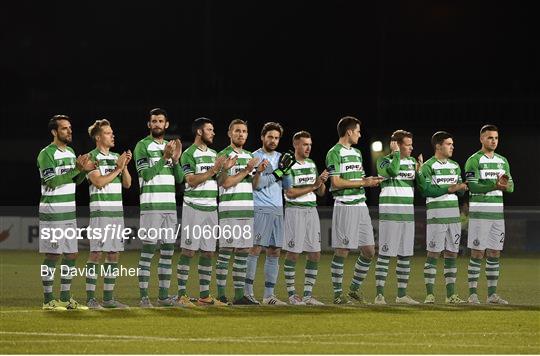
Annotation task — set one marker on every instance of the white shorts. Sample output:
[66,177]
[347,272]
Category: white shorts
[236,233]
[486,234]
[302,230]
[155,226]
[351,226]
[61,245]
[396,238]
[443,237]
[200,229]
[111,240]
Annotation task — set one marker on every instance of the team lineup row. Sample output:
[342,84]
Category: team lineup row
[247,190]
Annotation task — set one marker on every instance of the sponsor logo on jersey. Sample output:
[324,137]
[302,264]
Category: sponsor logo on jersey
[469,174]
[306,180]
[206,168]
[141,161]
[353,167]
[491,174]
[409,175]
[384,163]
[64,170]
[445,180]
[47,172]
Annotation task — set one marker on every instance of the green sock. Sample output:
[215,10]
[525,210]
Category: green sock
[109,280]
[310,275]
[239,274]
[450,271]
[403,269]
[205,275]
[91,279]
[222,269]
[492,274]
[182,273]
[337,275]
[65,281]
[474,272]
[361,268]
[145,261]
[430,271]
[165,269]
[381,272]
[47,279]
[289,270]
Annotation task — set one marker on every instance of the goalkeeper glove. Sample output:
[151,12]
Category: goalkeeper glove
[286,161]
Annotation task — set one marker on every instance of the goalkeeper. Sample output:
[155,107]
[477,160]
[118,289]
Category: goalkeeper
[268,212]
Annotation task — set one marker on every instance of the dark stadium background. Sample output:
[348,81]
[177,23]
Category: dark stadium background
[417,65]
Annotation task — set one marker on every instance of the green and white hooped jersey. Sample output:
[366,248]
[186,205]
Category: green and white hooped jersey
[303,174]
[443,209]
[396,200]
[196,161]
[107,201]
[237,202]
[158,194]
[56,204]
[347,164]
[484,170]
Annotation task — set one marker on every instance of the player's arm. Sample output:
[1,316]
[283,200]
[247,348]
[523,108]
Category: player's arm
[188,164]
[294,192]
[472,175]
[100,181]
[227,181]
[510,188]
[178,172]
[142,163]
[46,166]
[460,192]
[424,183]
[389,166]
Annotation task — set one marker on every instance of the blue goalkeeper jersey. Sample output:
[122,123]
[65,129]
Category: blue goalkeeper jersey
[268,196]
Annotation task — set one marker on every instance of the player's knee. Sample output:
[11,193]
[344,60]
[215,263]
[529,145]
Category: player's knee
[273,251]
[493,253]
[255,250]
[52,256]
[341,252]
[314,256]
[477,254]
[188,253]
[207,254]
[94,256]
[112,257]
[368,251]
[292,256]
[449,254]
[71,256]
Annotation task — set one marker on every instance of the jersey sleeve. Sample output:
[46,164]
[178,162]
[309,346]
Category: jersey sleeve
[188,163]
[46,165]
[388,166]
[333,163]
[141,157]
[510,188]
[472,176]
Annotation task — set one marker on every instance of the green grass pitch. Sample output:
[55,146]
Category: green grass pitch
[24,328]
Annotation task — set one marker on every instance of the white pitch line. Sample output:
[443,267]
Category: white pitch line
[271,339]
[293,342]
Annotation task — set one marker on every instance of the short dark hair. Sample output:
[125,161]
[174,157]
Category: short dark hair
[272,126]
[158,111]
[399,135]
[347,123]
[439,137]
[53,122]
[95,128]
[237,122]
[199,124]
[488,127]
[301,134]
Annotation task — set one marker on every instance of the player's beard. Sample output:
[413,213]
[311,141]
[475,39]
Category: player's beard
[206,140]
[66,140]
[157,132]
